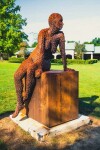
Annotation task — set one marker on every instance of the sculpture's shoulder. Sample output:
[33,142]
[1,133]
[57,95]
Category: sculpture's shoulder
[59,34]
[43,31]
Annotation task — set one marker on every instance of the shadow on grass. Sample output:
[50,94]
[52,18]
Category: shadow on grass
[90,142]
[3,146]
[5,114]
[87,106]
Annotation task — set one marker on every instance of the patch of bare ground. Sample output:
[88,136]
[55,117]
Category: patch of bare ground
[84,138]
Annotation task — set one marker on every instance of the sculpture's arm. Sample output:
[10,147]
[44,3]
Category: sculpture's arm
[40,48]
[40,53]
[62,50]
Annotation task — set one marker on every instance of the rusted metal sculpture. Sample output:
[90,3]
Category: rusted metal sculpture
[39,60]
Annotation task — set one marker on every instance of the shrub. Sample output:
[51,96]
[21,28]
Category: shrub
[5,56]
[57,61]
[75,61]
[80,61]
[13,59]
[91,61]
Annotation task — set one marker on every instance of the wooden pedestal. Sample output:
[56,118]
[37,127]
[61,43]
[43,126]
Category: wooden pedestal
[55,98]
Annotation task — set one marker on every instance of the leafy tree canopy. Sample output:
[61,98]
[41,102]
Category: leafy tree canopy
[70,41]
[34,44]
[11,24]
[96,41]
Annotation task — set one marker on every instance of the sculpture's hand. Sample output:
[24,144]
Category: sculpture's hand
[69,69]
[38,73]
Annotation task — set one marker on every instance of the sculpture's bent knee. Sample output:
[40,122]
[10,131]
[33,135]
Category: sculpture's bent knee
[17,76]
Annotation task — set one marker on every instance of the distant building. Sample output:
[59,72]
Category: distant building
[69,50]
[90,51]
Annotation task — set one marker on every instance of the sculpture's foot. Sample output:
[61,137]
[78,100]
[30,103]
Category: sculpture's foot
[17,110]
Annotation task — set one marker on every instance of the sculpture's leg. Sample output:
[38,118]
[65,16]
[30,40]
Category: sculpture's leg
[30,82]
[19,74]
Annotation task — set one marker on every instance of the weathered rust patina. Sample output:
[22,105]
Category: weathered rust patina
[55,98]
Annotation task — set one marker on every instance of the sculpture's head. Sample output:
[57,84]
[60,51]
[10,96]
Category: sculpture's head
[56,21]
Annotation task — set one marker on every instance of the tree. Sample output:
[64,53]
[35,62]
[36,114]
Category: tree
[11,24]
[34,44]
[96,41]
[79,49]
[70,41]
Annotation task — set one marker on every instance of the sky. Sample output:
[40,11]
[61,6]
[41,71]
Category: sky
[81,18]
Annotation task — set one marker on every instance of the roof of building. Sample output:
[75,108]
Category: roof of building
[70,46]
[97,49]
[89,47]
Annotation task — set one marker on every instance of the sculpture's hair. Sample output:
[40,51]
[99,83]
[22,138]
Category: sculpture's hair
[53,17]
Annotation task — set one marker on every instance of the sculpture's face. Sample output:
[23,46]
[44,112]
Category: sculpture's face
[55,21]
[58,23]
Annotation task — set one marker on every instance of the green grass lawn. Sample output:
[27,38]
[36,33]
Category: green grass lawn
[7,89]
[89,87]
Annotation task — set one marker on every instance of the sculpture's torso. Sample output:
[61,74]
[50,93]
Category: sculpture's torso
[49,45]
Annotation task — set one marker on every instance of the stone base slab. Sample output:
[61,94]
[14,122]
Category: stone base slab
[40,132]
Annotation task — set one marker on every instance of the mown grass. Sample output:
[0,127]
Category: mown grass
[89,87]
[7,89]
